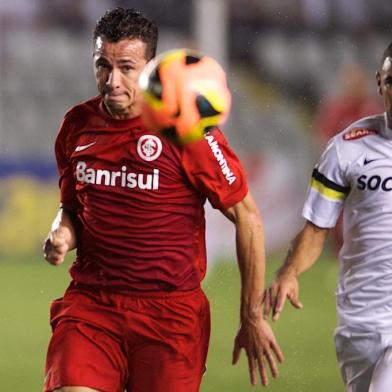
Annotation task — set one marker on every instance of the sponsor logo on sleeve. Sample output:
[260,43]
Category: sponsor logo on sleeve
[357,133]
[218,154]
[149,147]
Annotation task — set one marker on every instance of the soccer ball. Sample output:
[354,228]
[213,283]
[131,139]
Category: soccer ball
[185,94]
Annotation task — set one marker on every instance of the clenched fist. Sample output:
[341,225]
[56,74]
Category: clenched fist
[56,246]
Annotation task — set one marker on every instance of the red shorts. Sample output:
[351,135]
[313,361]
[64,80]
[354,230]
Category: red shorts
[143,342]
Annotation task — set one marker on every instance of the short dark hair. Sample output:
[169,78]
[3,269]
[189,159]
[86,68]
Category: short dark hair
[122,23]
[387,53]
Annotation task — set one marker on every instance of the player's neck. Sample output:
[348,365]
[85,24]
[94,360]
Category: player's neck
[126,114]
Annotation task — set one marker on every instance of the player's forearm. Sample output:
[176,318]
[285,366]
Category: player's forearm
[65,222]
[250,254]
[251,261]
[305,249]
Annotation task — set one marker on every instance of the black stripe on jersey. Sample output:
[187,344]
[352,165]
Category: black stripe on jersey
[328,183]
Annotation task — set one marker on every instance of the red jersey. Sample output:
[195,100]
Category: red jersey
[139,199]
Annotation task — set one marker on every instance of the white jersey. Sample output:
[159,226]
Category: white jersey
[355,172]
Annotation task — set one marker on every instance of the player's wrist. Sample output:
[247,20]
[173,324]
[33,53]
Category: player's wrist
[250,313]
[287,271]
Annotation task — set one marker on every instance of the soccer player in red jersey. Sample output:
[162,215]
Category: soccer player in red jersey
[134,317]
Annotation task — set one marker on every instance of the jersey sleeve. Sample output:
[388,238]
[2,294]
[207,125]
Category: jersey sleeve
[63,148]
[214,170]
[327,190]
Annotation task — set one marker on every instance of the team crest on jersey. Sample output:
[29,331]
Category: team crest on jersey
[149,147]
[357,133]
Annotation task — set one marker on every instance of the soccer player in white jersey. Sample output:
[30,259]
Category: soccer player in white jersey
[354,174]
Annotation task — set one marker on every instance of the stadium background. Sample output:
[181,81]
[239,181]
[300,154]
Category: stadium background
[283,59]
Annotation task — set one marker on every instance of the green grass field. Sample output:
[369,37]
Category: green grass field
[28,286]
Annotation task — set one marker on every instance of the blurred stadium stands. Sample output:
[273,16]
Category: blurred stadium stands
[282,61]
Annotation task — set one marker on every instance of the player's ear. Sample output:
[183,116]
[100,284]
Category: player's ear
[378,78]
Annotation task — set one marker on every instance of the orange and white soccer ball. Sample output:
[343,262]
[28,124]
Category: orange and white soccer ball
[184,94]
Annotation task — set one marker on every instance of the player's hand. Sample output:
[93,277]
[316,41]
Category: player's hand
[284,286]
[56,246]
[259,343]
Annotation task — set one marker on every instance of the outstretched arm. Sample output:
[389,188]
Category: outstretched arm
[255,335]
[61,238]
[303,253]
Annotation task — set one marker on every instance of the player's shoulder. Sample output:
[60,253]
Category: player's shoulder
[83,108]
[359,133]
[215,135]
[211,138]
[349,144]
[76,118]
[213,146]
[362,129]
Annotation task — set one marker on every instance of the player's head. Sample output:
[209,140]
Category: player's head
[127,23]
[384,81]
[124,41]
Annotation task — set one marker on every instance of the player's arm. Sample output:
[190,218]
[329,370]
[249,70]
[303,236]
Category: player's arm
[61,237]
[303,253]
[63,233]
[255,335]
